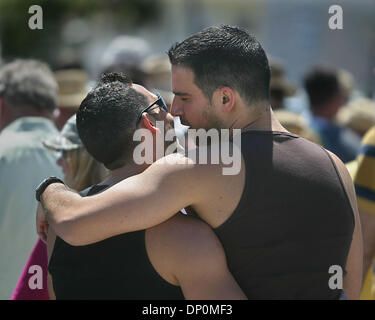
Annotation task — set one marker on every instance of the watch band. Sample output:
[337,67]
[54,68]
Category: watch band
[44,184]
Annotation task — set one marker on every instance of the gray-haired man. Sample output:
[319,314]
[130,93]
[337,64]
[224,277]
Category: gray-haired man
[28,94]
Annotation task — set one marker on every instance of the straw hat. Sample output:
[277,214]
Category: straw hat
[72,87]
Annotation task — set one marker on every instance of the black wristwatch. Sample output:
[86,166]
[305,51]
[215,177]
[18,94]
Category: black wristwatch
[44,184]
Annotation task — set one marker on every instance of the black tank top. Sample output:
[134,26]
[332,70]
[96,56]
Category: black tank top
[293,222]
[115,268]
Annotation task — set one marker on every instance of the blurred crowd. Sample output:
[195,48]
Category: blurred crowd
[38,136]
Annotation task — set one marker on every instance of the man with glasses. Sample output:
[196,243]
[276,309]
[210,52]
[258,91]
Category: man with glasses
[157,103]
[179,258]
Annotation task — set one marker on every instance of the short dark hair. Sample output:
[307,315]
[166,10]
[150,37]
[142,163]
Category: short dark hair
[106,119]
[28,83]
[321,85]
[225,56]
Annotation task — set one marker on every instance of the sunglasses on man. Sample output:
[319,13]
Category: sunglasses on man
[160,102]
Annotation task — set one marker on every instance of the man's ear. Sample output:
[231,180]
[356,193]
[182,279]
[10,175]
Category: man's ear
[224,98]
[147,123]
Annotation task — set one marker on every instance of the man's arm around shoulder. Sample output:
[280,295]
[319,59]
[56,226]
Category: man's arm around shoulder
[139,202]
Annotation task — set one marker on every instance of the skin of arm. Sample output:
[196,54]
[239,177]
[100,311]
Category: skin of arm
[136,203]
[186,252]
[353,279]
[41,223]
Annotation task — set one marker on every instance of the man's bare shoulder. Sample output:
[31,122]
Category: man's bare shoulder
[184,232]
[177,162]
[176,169]
[173,168]
[182,242]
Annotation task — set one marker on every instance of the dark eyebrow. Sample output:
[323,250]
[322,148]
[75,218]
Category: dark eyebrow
[180,93]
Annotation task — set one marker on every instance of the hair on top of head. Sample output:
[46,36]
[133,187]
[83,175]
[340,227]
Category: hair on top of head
[225,56]
[114,76]
[28,82]
[106,119]
[321,84]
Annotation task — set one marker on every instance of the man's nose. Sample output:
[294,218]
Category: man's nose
[176,109]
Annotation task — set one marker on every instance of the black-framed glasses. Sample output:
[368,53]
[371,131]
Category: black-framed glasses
[160,102]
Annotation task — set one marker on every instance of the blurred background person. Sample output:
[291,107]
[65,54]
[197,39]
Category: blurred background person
[72,85]
[326,97]
[81,171]
[28,98]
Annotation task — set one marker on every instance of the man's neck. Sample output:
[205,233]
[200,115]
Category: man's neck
[122,173]
[261,119]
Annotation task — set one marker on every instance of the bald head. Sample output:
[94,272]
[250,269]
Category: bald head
[142,90]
